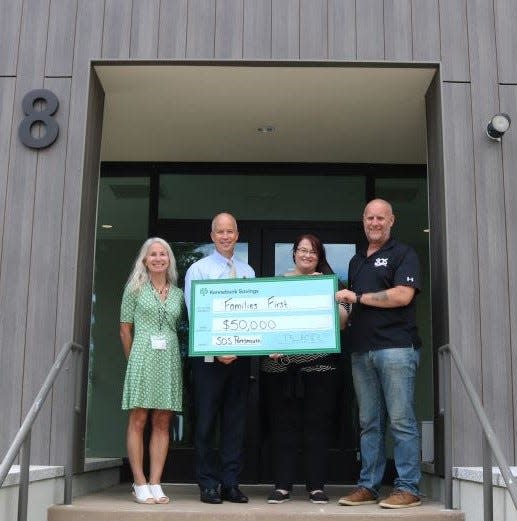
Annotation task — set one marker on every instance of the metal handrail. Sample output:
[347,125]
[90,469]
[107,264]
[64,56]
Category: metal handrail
[490,442]
[22,440]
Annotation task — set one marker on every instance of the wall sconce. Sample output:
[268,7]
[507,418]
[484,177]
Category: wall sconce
[497,126]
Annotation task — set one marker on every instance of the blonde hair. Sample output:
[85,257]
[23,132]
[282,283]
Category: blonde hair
[140,276]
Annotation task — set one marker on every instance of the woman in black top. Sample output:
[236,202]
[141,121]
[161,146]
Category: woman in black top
[300,393]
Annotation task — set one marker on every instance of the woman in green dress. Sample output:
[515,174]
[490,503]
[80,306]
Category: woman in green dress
[150,313]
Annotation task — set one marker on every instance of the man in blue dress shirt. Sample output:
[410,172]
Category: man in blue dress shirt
[220,385]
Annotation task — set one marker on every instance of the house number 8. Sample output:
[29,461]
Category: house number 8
[44,117]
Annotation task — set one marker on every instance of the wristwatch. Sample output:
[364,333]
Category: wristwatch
[358,297]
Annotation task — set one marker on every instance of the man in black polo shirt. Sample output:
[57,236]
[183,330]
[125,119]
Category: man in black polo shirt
[383,281]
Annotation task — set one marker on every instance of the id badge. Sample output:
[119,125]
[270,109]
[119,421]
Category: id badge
[158,342]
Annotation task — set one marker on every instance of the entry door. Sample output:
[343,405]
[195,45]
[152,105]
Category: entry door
[265,245]
[340,240]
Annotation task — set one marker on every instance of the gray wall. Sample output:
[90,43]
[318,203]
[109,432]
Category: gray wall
[47,198]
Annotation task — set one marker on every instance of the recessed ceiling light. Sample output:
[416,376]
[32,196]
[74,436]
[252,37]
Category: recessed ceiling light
[266,129]
[107,226]
[426,230]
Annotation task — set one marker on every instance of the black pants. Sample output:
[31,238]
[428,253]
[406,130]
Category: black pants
[220,391]
[304,421]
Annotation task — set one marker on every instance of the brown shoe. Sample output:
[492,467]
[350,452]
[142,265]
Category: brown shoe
[400,499]
[358,496]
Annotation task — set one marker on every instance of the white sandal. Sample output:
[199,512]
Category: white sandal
[143,495]
[158,494]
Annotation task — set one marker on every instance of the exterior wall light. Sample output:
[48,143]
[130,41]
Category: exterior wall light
[497,126]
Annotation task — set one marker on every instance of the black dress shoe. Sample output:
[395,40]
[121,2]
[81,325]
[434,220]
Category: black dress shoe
[234,495]
[210,495]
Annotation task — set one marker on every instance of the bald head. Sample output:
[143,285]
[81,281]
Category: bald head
[225,217]
[378,203]
[378,219]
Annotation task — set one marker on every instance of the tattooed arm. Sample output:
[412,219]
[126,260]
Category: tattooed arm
[396,297]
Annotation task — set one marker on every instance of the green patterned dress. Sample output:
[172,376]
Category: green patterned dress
[153,376]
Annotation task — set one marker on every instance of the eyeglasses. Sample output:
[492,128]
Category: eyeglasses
[305,251]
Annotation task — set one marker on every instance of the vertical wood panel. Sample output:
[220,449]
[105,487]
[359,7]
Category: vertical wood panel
[145,22]
[257,29]
[462,261]
[17,236]
[172,40]
[228,29]
[9,357]
[44,268]
[437,250]
[342,38]
[454,40]
[6,115]
[370,30]
[491,226]
[201,29]
[9,30]
[60,41]
[313,29]
[397,30]
[438,227]
[87,233]
[508,96]
[505,24]
[286,29]
[88,45]
[117,29]
[426,30]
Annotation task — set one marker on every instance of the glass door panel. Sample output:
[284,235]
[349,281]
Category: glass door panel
[340,245]
[122,227]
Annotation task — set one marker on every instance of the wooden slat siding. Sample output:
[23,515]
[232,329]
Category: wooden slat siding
[7,86]
[201,29]
[462,262]
[117,29]
[342,39]
[145,18]
[172,41]
[60,40]
[286,29]
[44,266]
[491,226]
[508,104]
[9,30]
[505,24]
[87,232]
[426,30]
[454,40]
[370,29]
[229,21]
[398,45]
[313,30]
[88,45]
[257,29]
[437,224]
[438,248]
[19,206]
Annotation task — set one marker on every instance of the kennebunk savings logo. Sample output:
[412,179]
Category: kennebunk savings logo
[205,291]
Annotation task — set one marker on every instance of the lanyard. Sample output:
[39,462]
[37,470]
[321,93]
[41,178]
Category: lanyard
[162,311]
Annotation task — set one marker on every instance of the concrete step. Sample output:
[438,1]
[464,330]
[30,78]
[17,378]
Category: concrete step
[116,504]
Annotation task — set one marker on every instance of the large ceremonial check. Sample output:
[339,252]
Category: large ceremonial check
[264,315]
